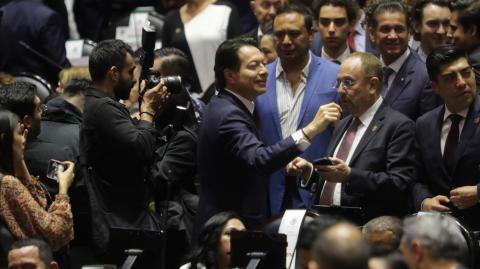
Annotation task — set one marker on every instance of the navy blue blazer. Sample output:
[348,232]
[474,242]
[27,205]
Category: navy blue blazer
[234,164]
[319,90]
[432,178]
[382,165]
[40,27]
[410,92]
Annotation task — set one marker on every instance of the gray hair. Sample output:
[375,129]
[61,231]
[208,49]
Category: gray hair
[440,235]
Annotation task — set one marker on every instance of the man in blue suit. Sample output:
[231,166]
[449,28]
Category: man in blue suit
[405,79]
[233,163]
[448,141]
[297,85]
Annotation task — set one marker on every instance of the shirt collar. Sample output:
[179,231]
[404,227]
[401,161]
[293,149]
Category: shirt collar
[422,54]
[250,105]
[462,113]
[259,33]
[359,24]
[397,64]
[306,68]
[340,58]
[367,116]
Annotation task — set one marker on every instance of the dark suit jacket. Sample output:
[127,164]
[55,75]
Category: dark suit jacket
[252,34]
[410,92]
[234,164]
[474,59]
[41,30]
[432,178]
[382,166]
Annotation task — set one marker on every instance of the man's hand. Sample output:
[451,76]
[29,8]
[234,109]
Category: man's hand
[298,167]
[464,197]
[326,114]
[437,203]
[153,99]
[338,171]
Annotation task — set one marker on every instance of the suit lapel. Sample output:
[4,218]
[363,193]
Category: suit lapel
[272,98]
[374,127]
[435,141]
[402,79]
[309,89]
[469,130]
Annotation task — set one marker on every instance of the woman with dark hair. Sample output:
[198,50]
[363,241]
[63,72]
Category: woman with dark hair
[23,201]
[213,247]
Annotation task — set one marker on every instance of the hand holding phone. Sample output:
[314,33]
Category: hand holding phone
[322,161]
[53,168]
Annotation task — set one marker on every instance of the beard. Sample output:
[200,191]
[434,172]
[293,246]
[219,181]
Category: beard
[122,89]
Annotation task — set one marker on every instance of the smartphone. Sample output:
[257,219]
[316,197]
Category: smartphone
[53,166]
[322,161]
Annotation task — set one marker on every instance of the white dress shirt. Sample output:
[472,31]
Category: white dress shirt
[360,36]
[289,100]
[422,54]
[340,58]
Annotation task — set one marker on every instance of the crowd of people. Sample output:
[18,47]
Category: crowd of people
[363,113]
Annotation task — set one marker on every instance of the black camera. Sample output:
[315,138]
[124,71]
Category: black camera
[173,83]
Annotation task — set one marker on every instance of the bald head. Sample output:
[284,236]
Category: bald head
[340,247]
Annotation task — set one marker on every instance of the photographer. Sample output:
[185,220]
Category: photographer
[173,172]
[115,149]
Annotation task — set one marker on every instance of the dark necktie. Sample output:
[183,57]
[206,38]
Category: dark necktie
[387,72]
[451,143]
[337,62]
[326,198]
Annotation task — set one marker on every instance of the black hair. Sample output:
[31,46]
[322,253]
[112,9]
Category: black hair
[376,8]
[347,4]
[206,249]
[226,57]
[296,7]
[8,123]
[460,4]
[469,16]
[44,251]
[19,98]
[77,87]
[440,56]
[106,54]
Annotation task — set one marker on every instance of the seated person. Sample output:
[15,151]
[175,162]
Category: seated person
[31,253]
[213,246]
[23,202]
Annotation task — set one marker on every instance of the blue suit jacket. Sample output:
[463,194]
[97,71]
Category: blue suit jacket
[432,177]
[410,92]
[234,164]
[318,91]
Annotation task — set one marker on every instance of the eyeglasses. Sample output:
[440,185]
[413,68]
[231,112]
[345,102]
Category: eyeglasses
[346,83]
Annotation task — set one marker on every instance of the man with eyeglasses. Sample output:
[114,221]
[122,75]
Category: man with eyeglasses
[21,99]
[298,84]
[431,24]
[372,150]
[448,172]
[405,79]
[465,31]
[336,19]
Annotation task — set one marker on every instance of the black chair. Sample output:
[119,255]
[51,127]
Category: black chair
[6,242]
[43,87]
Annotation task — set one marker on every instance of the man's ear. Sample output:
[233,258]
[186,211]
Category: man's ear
[53,265]
[374,85]
[229,75]
[433,85]
[252,6]
[371,35]
[114,73]
[27,121]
